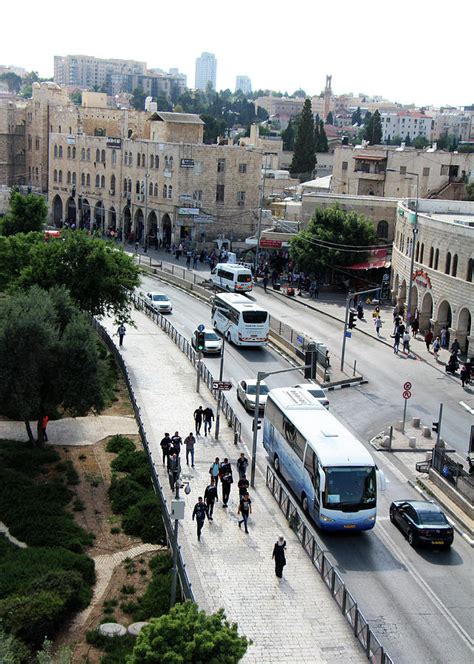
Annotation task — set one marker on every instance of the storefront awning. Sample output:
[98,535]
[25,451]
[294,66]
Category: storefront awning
[377,258]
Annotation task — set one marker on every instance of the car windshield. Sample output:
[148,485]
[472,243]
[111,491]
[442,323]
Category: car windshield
[432,519]
[252,389]
[244,278]
[159,298]
[254,316]
[211,336]
[350,488]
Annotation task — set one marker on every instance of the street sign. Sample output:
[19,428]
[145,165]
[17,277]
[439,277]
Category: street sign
[406,394]
[348,334]
[202,327]
[407,385]
[221,385]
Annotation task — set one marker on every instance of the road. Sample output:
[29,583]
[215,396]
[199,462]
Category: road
[419,602]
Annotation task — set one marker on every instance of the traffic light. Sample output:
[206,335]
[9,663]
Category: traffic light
[352,316]
[259,423]
[200,341]
[435,427]
[310,360]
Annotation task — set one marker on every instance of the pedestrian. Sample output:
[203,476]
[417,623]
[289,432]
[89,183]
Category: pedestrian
[176,441]
[44,425]
[406,342]
[279,556]
[121,330]
[436,347]
[396,322]
[225,474]
[200,512]
[214,471]
[208,418]
[242,465]
[210,496]
[188,259]
[378,325]
[198,415]
[428,339]
[243,485]
[396,343]
[265,283]
[401,329]
[137,246]
[455,347]
[190,442]
[245,510]
[174,470]
[195,260]
[166,446]
[465,375]
[444,337]
[415,326]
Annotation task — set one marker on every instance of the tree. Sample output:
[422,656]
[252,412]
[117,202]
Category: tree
[330,118]
[76,97]
[357,117]
[421,142]
[407,140]
[12,80]
[304,158]
[138,99]
[373,129]
[162,102]
[212,128]
[26,213]
[187,635]
[48,359]
[321,139]
[311,251]
[289,134]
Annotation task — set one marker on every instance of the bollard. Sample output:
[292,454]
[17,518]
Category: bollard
[412,442]
[416,422]
[399,425]
[426,432]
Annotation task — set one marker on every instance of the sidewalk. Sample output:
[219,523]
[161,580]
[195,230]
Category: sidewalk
[292,620]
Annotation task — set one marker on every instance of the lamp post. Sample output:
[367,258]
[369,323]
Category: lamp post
[260,213]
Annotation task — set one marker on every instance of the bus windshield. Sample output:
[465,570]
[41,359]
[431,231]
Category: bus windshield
[350,488]
[255,317]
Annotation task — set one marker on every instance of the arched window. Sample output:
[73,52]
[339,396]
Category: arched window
[60,151]
[68,177]
[152,161]
[155,191]
[130,185]
[55,177]
[166,163]
[55,151]
[422,251]
[114,157]
[97,155]
[125,184]
[436,260]
[102,181]
[382,229]
[102,156]
[97,180]
[83,179]
[417,251]
[73,179]
[60,176]
[59,129]
[88,180]
[157,161]
[143,160]
[138,159]
[137,187]
[112,182]
[70,130]
[165,191]
[88,154]
[447,267]
[83,154]
[469,271]
[150,189]
[430,264]
[170,191]
[171,163]
[454,270]
[73,152]
[69,152]
[402,242]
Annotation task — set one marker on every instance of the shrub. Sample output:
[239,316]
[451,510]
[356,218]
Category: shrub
[72,475]
[119,443]
[115,530]
[32,617]
[156,600]
[124,492]
[127,590]
[129,607]
[127,461]
[117,648]
[78,505]
[144,520]
[21,456]
[12,650]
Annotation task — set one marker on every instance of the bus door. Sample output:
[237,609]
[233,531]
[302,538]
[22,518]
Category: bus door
[294,453]
[311,478]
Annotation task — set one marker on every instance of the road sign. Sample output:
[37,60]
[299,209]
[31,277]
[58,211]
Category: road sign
[201,327]
[221,385]
[348,334]
[407,385]
[406,394]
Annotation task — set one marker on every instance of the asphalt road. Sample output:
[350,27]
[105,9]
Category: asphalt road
[419,602]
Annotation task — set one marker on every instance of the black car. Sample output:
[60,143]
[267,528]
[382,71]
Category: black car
[423,522]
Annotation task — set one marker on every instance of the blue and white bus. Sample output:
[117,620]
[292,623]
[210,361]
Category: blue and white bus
[327,468]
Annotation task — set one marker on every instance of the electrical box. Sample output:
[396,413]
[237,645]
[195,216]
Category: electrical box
[177,509]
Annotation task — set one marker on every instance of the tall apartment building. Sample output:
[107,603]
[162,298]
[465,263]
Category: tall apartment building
[243,83]
[206,68]
[112,76]
[456,123]
[405,124]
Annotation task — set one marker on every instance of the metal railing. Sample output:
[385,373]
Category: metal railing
[331,577]
[453,472]
[186,586]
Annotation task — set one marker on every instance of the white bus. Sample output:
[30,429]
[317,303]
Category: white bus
[232,277]
[240,320]
[327,468]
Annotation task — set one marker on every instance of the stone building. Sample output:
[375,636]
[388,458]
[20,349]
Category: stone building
[12,142]
[442,280]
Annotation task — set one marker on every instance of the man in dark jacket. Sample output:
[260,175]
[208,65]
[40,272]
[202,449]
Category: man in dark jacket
[210,496]
[208,417]
[200,512]
[242,465]
[245,509]
[174,469]
[225,474]
[198,415]
[165,445]
[177,441]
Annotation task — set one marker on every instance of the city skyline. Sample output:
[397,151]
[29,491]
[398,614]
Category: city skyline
[412,69]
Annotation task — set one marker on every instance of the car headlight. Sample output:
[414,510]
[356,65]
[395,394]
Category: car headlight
[371,518]
[326,519]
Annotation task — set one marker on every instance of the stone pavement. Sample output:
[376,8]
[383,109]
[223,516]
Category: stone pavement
[293,620]
[74,430]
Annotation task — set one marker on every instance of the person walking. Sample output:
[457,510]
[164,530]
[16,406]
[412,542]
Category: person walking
[465,374]
[279,556]
[406,342]
[198,415]
[190,442]
[199,513]
[242,465]
[415,326]
[174,469]
[455,347]
[265,282]
[396,342]
[444,337]
[428,339]
[166,446]
[177,442]
[225,474]
[245,510]
[243,485]
[195,260]
[210,496]
[208,419]
[214,471]
[121,330]
[378,325]
[436,347]
[44,425]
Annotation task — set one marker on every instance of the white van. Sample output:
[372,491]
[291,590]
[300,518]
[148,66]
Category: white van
[232,277]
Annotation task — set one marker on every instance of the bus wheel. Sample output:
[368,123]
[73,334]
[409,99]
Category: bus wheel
[276,463]
[304,501]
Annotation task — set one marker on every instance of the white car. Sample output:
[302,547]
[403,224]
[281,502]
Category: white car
[316,391]
[246,393]
[160,302]
[212,342]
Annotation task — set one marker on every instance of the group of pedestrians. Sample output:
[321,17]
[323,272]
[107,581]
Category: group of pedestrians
[400,333]
[203,416]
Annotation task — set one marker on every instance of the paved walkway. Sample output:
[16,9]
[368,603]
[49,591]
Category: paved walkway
[74,430]
[289,621]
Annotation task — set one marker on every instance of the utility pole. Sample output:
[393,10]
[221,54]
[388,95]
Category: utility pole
[219,392]
[260,212]
[174,576]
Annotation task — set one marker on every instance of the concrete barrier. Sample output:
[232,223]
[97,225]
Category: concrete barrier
[426,432]
[415,422]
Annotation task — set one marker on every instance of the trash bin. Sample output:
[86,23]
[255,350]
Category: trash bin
[277,286]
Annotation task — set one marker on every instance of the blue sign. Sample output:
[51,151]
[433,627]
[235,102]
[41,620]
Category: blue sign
[300,340]
[201,327]
[348,334]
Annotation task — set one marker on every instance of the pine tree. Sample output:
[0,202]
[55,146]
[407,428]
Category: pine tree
[322,143]
[304,158]
[330,118]
[357,117]
[373,128]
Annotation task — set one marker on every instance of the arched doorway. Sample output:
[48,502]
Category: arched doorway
[85,217]
[99,217]
[414,300]
[166,229]
[57,211]
[71,211]
[152,228]
[464,328]
[139,224]
[112,221]
[426,312]
[395,287]
[444,317]
[127,223]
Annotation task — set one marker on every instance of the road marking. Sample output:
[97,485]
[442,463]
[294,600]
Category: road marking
[467,407]
[425,586]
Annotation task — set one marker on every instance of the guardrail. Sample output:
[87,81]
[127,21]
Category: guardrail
[185,346]
[331,577]
[185,583]
[454,473]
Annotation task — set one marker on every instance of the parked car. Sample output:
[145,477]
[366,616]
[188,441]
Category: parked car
[247,392]
[423,522]
[212,342]
[316,391]
[160,302]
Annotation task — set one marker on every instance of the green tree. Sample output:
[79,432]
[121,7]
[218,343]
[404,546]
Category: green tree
[15,255]
[421,142]
[212,128]
[138,99]
[373,129]
[76,97]
[408,140]
[470,191]
[330,118]
[289,134]
[187,635]
[357,117]
[321,139]
[12,80]
[314,248]
[26,213]
[162,102]
[49,359]
[304,158]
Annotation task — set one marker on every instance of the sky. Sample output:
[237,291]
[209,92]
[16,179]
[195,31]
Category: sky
[406,51]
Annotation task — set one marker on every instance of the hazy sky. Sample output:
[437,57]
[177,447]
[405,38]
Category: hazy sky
[406,51]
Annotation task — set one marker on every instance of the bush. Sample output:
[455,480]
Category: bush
[116,648]
[115,530]
[21,456]
[119,443]
[144,520]
[72,475]
[78,505]
[127,461]
[127,590]
[12,650]
[32,617]
[156,600]
[123,493]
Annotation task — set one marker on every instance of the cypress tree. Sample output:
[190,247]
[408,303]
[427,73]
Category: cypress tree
[304,158]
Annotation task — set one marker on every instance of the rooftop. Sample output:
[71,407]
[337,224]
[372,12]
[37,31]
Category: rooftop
[181,118]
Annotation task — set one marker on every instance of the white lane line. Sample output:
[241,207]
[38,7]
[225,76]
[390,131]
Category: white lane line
[467,407]
[425,586]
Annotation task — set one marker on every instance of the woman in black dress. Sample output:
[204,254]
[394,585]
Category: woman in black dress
[279,556]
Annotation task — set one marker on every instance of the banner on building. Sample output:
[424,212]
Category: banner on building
[115,143]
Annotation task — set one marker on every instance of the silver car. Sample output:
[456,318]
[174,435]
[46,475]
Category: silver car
[160,302]
[212,342]
[316,391]
[247,391]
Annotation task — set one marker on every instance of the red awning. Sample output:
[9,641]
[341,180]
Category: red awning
[377,258]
